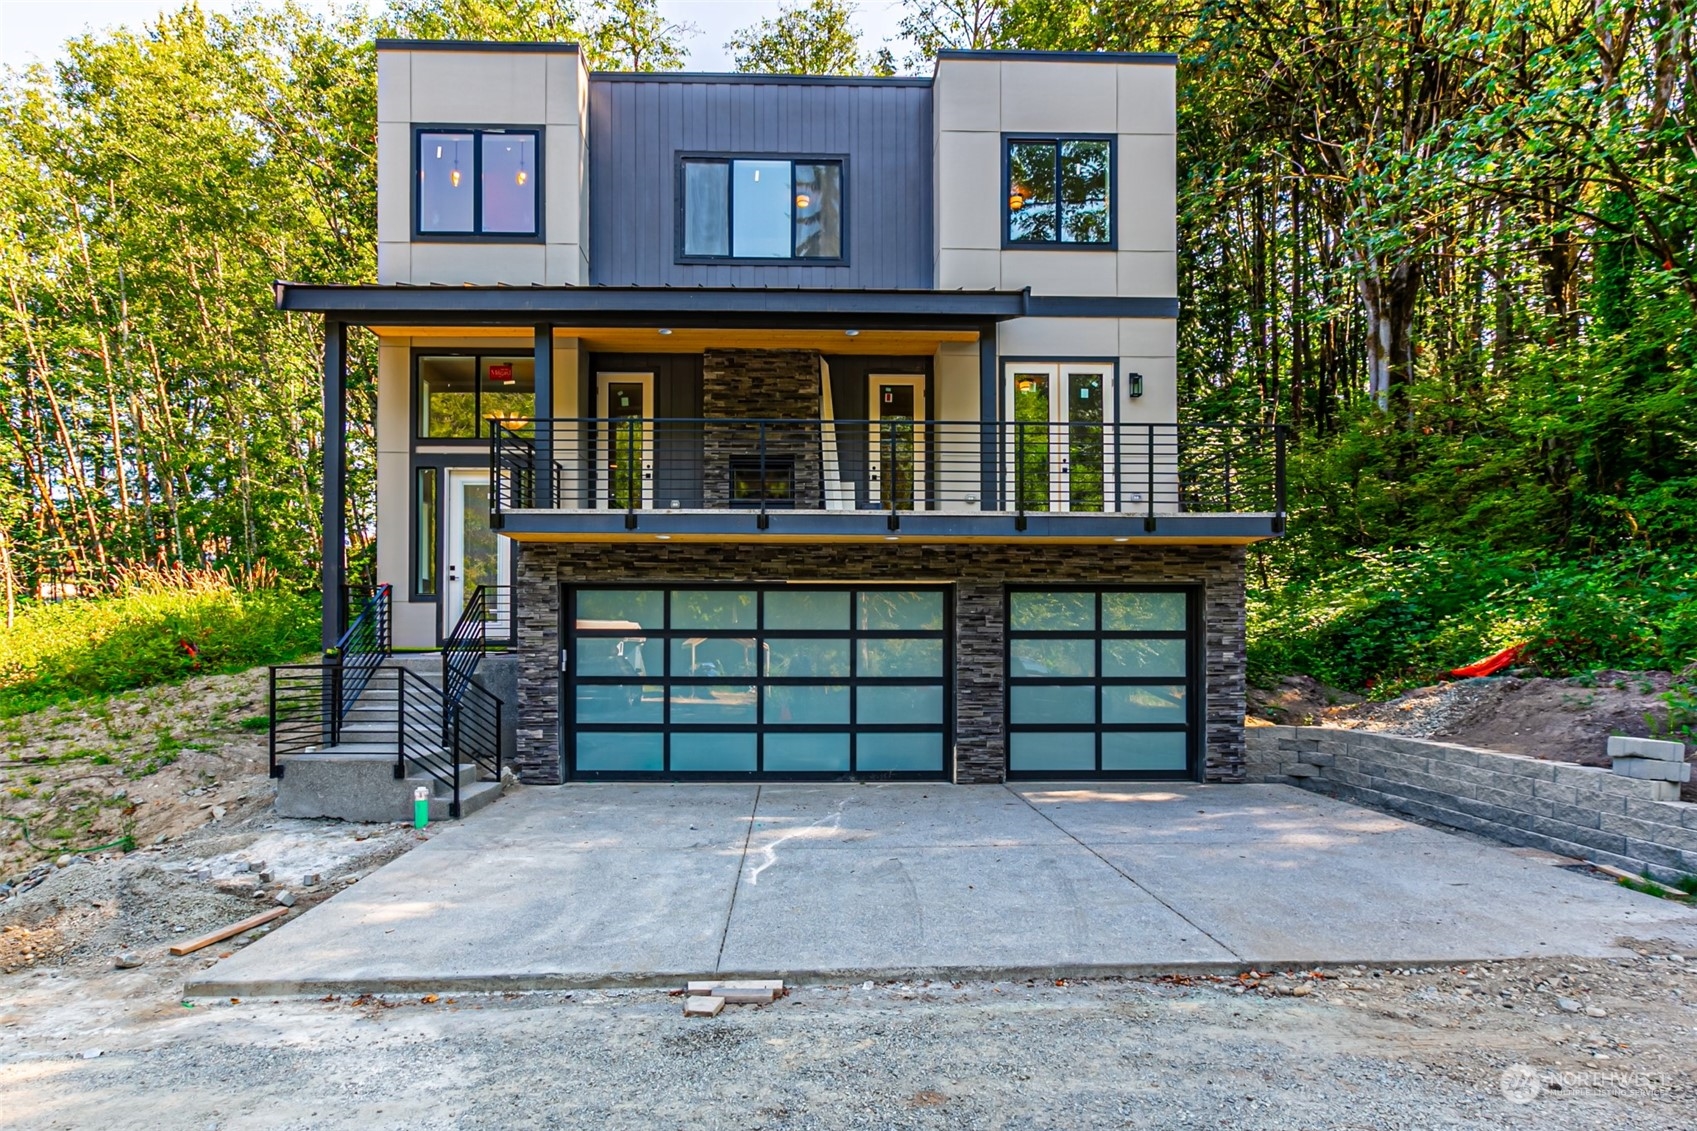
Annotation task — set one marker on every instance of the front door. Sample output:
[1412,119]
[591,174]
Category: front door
[896,461]
[1059,459]
[476,555]
[626,409]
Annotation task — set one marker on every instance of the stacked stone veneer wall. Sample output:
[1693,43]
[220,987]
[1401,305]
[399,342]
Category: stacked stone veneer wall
[1580,811]
[978,573]
[761,385]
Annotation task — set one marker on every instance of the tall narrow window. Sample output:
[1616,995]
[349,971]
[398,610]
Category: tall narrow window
[424,531]
[760,209]
[477,183]
[1060,191]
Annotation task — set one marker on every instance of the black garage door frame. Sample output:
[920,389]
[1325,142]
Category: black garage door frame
[1195,683]
[571,680]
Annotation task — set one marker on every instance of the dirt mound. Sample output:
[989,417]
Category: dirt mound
[1562,720]
[1298,700]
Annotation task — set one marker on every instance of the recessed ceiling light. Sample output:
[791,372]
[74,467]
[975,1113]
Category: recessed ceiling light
[892,538]
[851,333]
[665,333]
[664,537]
[1122,539]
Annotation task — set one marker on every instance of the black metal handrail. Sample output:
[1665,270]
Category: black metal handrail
[361,650]
[428,732]
[470,639]
[894,465]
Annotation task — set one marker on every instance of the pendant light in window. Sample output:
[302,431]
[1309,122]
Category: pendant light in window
[523,174]
[454,173]
[802,200]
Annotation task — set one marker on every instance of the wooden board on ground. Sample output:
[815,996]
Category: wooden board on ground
[704,987]
[232,930]
[1623,874]
[703,1006]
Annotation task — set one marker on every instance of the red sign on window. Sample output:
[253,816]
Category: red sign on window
[500,372]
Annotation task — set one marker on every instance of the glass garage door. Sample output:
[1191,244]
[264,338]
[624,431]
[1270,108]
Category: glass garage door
[785,682]
[1101,683]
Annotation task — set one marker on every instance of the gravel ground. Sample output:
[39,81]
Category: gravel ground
[1604,1045]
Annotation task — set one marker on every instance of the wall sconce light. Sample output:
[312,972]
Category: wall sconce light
[1134,384]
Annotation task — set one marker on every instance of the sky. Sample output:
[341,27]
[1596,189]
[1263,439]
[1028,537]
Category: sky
[35,30]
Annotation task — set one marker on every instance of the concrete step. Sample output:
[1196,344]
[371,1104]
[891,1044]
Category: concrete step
[469,772]
[358,786]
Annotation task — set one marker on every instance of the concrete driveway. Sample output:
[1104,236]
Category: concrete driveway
[609,884]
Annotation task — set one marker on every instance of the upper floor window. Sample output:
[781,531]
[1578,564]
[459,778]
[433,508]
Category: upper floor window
[1060,191]
[477,183]
[760,208]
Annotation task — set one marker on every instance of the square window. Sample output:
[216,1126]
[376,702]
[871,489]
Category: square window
[1060,191]
[465,397]
[477,183]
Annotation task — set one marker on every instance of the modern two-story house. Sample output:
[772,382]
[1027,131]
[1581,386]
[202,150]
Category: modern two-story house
[795,427]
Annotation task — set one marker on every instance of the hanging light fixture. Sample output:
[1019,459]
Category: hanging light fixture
[523,175]
[454,173]
[802,200]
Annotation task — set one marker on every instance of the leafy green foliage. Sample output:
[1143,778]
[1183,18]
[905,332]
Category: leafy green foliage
[1384,621]
[158,630]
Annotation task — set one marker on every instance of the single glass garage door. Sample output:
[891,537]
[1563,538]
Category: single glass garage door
[790,681]
[1103,683]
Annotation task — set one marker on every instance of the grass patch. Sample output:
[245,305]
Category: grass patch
[256,722]
[159,629]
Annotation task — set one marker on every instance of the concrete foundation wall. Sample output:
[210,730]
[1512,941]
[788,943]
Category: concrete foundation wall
[1580,811]
[979,574]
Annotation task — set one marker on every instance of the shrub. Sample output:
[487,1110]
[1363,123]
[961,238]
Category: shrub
[157,628]
[1387,621]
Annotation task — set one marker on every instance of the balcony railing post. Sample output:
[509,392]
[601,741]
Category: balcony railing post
[1278,478]
[1019,476]
[1228,471]
[401,723]
[1149,482]
[764,521]
[628,457]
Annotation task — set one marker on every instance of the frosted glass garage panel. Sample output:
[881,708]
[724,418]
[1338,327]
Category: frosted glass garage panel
[620,608]
[1048,751]
[1145,750]
[1144,704]
[1143,612]
[901,610]
[621,753]
[1052,612]
[887,752]
[713,752]
[809,609]
[1137,658]
[807,753]
[884,703]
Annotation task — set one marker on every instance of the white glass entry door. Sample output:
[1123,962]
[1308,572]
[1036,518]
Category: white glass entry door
[1060,456]
[625,405]
[896,461]
[476,554]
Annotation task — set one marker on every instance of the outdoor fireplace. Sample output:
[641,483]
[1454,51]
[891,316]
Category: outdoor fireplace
[768,483]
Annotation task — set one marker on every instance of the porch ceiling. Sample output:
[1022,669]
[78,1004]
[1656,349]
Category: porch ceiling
[648,339]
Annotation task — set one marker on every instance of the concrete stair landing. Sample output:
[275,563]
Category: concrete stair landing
[354,780]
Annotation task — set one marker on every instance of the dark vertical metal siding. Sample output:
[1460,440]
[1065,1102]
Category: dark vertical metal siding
[677,394]
[637,129]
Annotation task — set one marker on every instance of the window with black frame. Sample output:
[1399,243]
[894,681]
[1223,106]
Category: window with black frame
[1060,192]
[477,183]
[760,208]
[468,396]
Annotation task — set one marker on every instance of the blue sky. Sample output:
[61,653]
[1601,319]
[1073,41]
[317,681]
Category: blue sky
[34,29]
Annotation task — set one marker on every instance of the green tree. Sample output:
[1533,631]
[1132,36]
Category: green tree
[632,35]
[816,38]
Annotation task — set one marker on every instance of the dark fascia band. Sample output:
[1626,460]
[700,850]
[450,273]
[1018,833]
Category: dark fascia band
[1157,58]
[719,78]
[474,45]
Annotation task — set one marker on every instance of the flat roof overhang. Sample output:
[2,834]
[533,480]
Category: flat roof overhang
[875,527]
[638,306]
[822,308]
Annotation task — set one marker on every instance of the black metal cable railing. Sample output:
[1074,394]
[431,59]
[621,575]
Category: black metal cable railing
[1011,467]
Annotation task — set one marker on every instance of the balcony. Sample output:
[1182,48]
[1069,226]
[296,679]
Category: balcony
[890,479]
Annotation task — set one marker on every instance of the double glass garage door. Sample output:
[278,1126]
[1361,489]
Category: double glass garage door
[802,681]
[786,681]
